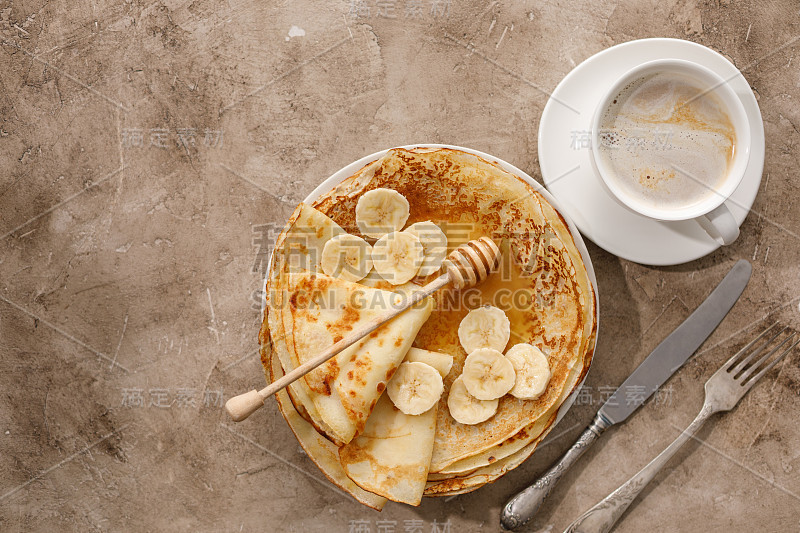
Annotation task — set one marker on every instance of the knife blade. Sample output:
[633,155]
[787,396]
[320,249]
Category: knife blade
[678,347]
[662,362]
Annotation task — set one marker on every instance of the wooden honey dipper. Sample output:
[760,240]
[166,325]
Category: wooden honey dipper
[466,266]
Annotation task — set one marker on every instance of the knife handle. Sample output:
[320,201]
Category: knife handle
[526,503]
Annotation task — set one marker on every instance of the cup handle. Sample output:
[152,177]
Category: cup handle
[720,225]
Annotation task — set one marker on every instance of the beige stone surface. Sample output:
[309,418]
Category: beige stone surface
[146,150]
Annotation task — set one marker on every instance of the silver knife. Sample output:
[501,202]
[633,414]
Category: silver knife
[662,362]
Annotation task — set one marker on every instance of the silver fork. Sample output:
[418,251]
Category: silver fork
[723,391]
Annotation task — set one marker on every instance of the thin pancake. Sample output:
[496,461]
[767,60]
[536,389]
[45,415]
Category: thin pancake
[540,260]
[528,434]
[392,455]
[502,450]
[297,249]
[318,311]
[458,191]
[462,483]
[318,448]
[517,441]
[482,476]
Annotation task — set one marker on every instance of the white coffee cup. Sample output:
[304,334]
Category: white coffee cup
[711,213]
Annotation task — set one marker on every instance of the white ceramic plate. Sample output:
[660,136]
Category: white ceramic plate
[565,159]
[352,168]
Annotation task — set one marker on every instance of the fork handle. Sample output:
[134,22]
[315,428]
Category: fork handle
[602,517]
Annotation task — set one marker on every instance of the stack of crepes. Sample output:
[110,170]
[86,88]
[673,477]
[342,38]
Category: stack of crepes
[339,412]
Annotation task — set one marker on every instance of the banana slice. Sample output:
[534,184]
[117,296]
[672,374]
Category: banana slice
[532,369]
[465,408]
[484,327]
[487,374]
[434,245]
[442,362]
[415,388]
[347,257]
[381,211]
[397,257]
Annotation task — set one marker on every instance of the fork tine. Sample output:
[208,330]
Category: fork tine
[749,345]
[744,377]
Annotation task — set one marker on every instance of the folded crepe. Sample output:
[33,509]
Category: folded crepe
[320,310]
[308,311]
[297,249]
[319,449]
[392,455]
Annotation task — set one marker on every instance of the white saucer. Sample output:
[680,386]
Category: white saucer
[570,177]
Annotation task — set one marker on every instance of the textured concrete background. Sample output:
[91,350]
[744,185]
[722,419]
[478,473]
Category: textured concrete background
[146,150]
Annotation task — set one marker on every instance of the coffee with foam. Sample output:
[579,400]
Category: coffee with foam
[667,140]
